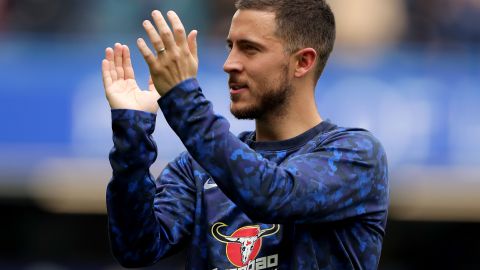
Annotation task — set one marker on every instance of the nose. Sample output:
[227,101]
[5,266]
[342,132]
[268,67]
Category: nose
[233,63]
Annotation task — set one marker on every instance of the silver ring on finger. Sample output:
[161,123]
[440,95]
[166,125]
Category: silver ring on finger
[162,50]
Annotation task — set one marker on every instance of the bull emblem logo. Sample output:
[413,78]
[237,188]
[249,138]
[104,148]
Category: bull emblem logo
[245,243]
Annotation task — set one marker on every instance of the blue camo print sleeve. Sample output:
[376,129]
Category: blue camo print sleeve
[344,177]
[148,220]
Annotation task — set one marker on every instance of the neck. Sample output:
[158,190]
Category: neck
[300,115]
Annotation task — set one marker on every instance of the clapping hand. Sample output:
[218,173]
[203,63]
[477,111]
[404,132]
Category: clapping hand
[121,88]
[175,61]
[176,55]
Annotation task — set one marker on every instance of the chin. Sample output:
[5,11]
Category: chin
[237,106]
[245,112]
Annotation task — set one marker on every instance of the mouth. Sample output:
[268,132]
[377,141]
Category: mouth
[236,88]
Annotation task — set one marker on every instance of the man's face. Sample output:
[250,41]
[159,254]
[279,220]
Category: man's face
[258,66]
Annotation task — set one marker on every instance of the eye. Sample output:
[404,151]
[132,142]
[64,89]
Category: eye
[249,49]
[228,47]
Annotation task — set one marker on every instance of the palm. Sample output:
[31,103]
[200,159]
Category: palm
[121,88]
[125,94]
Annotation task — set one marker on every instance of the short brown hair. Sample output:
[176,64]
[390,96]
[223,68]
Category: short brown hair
[301,24]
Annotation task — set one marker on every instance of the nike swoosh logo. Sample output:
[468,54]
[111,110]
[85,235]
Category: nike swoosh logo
[209,184]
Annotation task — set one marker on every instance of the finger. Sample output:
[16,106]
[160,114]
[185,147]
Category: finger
[146,52]
[192,43]
[109,56]
[127,63]
[118,52]
[164,29]
[153,36]
[178,28]
[107,78]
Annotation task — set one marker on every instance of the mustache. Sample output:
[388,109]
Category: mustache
[236,80]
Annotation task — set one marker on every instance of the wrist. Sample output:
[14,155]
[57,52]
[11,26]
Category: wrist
[190,83]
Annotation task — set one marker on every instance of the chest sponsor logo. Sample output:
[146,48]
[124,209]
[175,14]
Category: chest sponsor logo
[243,246]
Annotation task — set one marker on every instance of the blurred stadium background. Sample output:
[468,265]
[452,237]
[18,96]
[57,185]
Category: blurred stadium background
[407,70]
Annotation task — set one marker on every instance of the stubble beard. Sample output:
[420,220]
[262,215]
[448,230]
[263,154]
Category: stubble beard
[273,100]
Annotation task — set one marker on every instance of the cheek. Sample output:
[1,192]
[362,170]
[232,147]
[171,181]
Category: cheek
[265,72]
[259,79]
[267,81]
[268,72]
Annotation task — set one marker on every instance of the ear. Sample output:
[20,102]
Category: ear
[305,61]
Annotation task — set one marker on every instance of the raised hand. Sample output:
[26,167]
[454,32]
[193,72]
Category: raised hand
[121,88]
[176,55]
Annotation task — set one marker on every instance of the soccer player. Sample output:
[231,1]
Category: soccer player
[299,192]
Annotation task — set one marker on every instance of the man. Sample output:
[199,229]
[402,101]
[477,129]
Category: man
[297,193]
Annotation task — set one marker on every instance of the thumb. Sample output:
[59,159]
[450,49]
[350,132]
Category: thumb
[151,86]
[192,43]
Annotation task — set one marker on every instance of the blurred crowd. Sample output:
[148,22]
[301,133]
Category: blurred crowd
[436,23]
[107,16]
[444,22]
